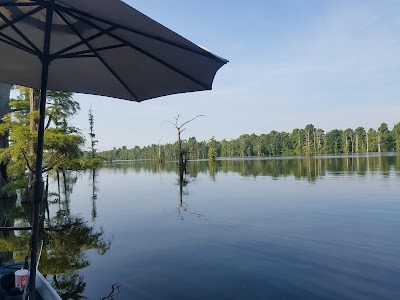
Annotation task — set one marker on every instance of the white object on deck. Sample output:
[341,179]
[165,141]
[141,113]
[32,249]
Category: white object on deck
[21,277]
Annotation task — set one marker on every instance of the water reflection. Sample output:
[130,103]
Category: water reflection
[65,242]
[303,168]
[183,180]
[69,286]
[13,214]
[8,212]
[212,167]
[262,234]
[95,190]
[66,237]
[115,290]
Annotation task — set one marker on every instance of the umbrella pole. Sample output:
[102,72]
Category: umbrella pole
[37,191]
[38,180]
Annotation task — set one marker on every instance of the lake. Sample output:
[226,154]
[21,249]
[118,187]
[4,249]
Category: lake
[277,228]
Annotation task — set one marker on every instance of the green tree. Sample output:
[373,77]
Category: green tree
[396,137]
[372,144]
[62,142]
[309,137]
[212,148]
[348,140]
[297,137]
[245,145]
[319,138]
[60,108]
[92,135]
[360,140]
[224,148]
[334,141]
[385,140]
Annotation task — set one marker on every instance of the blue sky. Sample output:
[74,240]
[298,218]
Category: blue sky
[335,64]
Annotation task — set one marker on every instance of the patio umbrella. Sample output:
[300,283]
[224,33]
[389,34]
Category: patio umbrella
[101,47]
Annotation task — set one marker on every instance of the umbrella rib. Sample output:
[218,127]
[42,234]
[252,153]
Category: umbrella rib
[23,36]
[96,54]
[151,36]
[20,18]
[17,44]
[76,56]
[17,4]
[95,36]
[79,53]
[207,87]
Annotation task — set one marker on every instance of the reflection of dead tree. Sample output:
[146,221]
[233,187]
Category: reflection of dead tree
[183,207]
[182,155]
[182,183]
[94,195]
[114,292]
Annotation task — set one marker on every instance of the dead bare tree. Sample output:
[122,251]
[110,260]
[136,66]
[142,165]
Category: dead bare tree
[180,128]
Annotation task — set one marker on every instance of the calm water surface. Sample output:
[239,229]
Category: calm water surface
[317,228]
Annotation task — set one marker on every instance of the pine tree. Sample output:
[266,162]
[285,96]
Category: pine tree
[92,135]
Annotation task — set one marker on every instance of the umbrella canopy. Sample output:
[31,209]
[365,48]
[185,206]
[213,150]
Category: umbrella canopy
[101,47]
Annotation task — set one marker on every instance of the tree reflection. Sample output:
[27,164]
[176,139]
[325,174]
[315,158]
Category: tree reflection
[69,286]
[7,216]
[182,182]
[94,194]
[12,215]
[212,167]
[301,168]
[183,206]
[66,238]
[65,242]
[65,189]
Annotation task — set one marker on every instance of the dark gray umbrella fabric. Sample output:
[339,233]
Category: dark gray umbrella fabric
[100,47]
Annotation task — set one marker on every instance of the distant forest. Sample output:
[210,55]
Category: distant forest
[308,141]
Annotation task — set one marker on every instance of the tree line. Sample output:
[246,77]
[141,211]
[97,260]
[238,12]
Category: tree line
[308,142]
